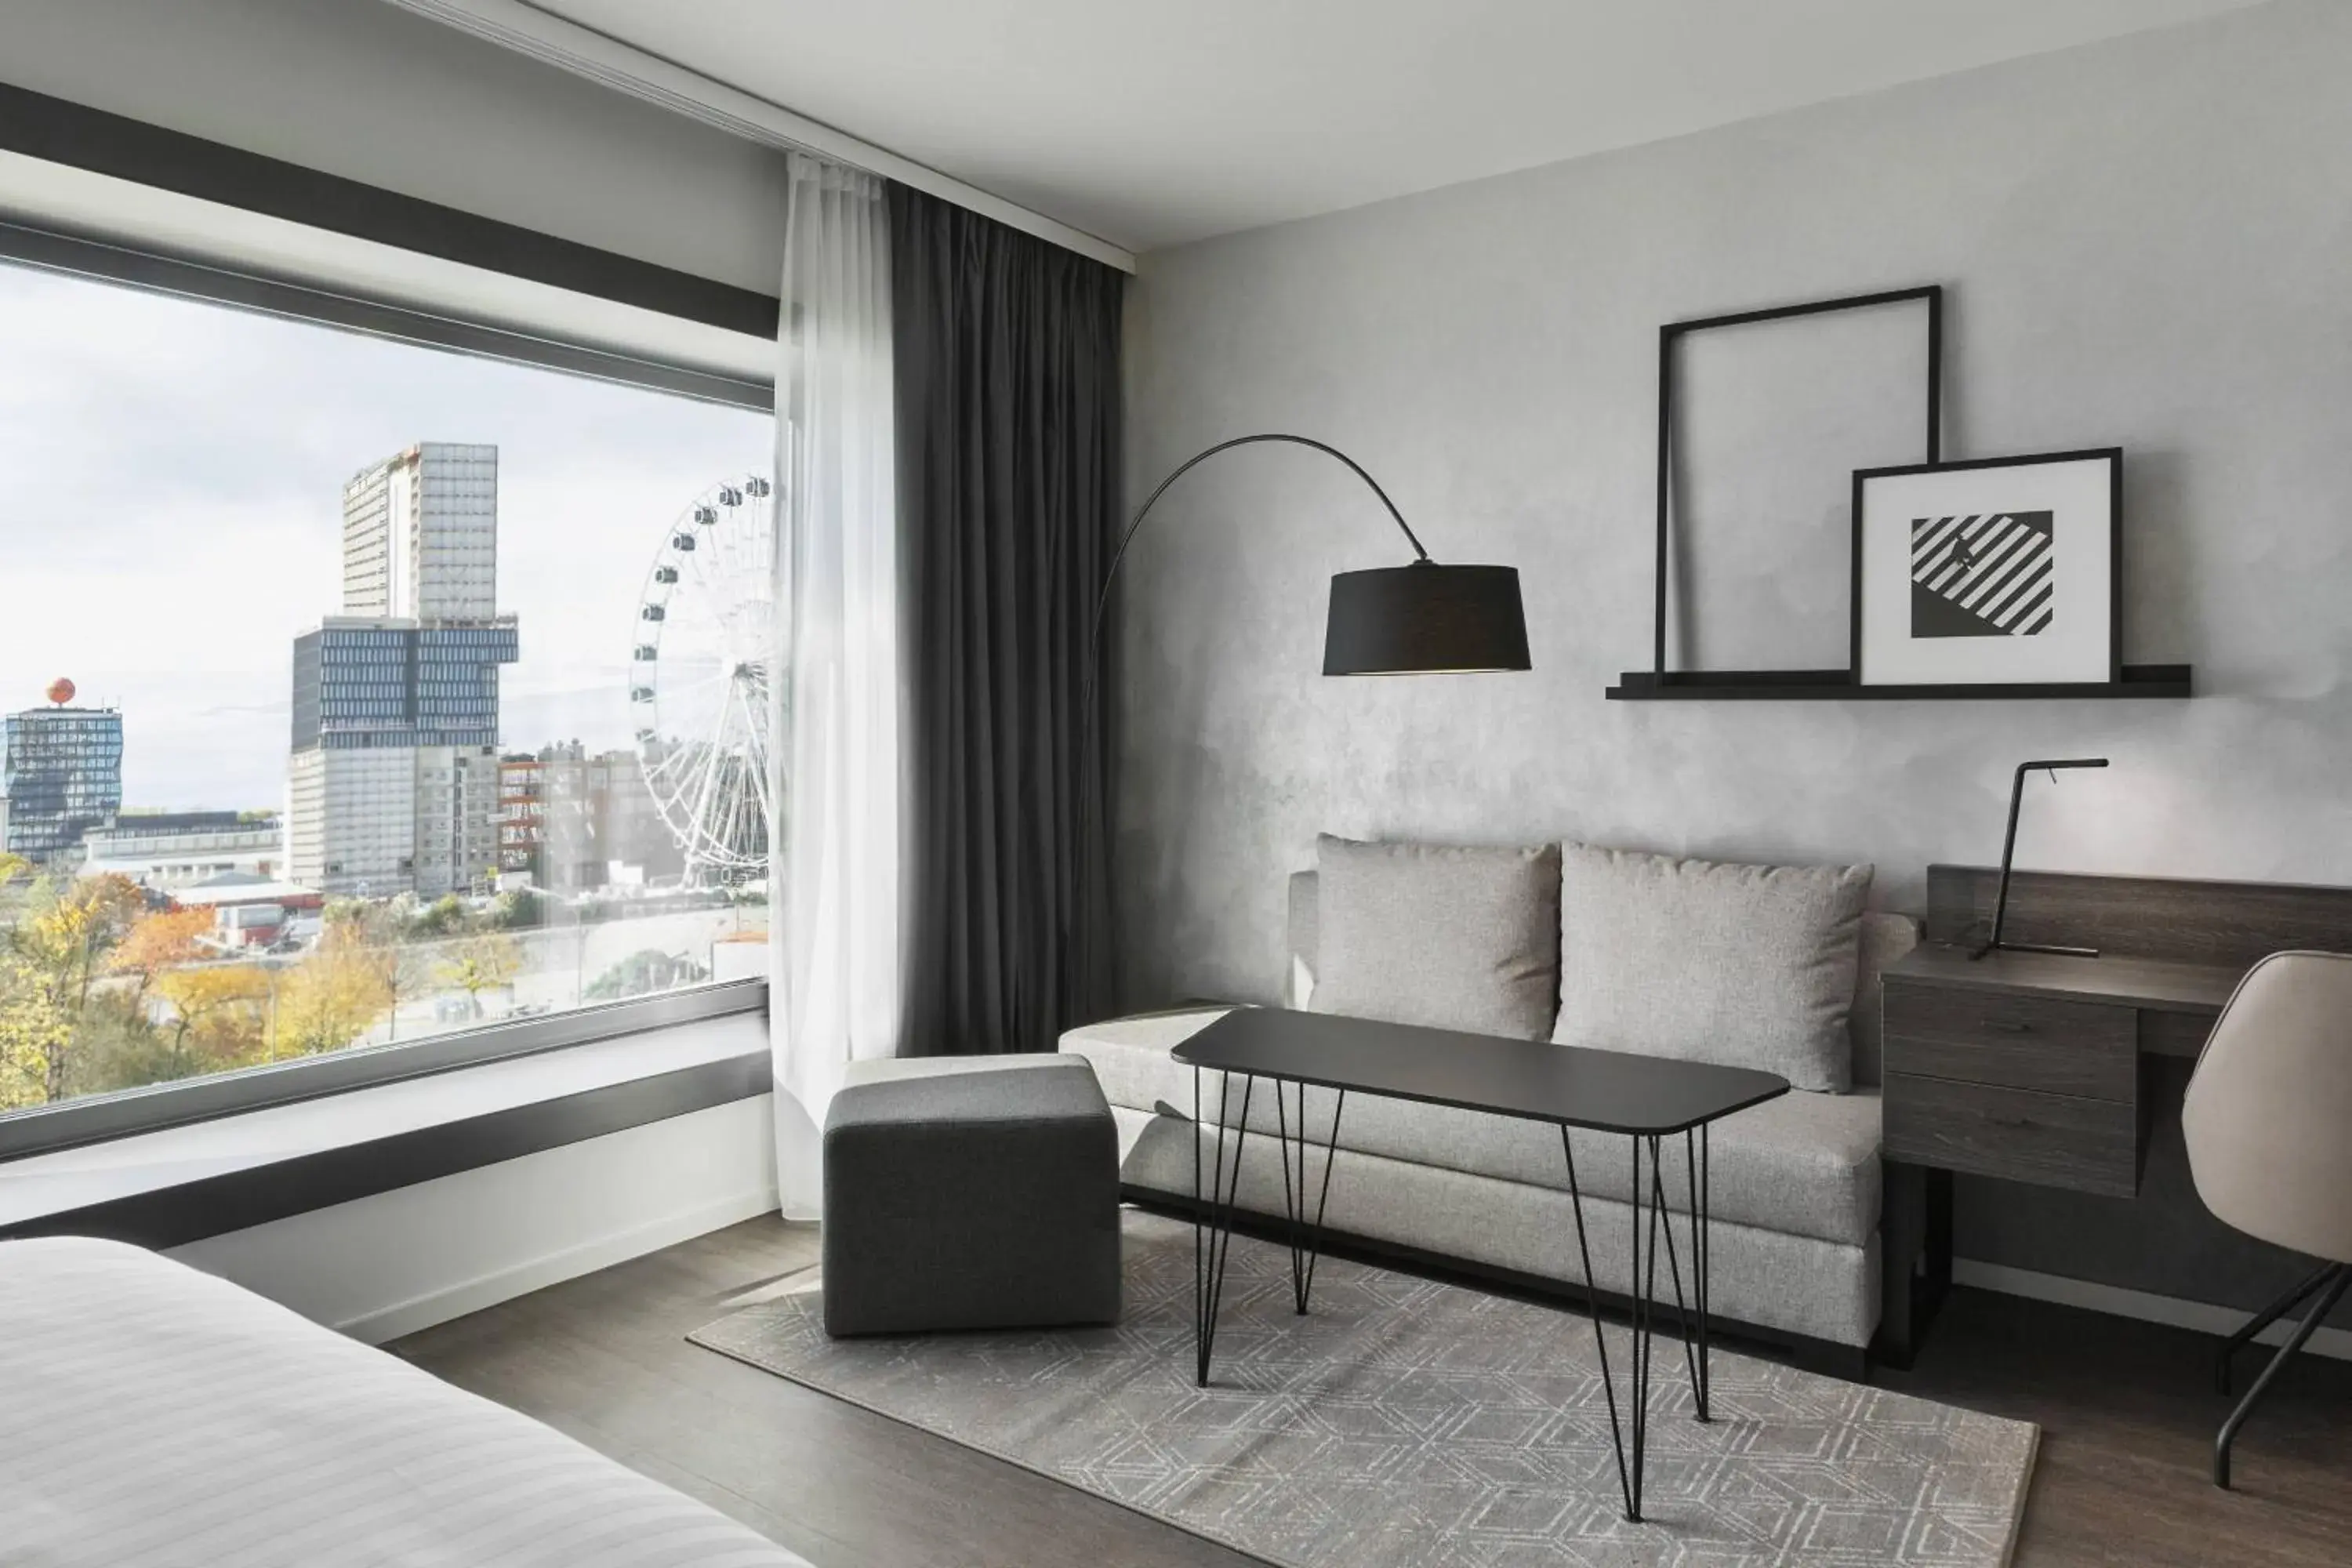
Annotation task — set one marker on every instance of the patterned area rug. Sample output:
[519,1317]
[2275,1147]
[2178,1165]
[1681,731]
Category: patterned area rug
[1406,1424]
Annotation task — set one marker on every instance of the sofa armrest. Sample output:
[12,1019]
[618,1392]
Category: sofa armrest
[1305,929]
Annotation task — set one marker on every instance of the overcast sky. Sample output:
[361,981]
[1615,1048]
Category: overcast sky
[171,481]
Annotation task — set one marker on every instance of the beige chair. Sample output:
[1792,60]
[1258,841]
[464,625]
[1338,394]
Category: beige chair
[2269,1122]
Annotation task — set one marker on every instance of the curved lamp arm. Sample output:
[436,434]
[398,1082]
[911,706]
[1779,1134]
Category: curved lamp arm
[1102,601]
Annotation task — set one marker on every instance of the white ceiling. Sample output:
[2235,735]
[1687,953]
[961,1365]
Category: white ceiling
[1150,122]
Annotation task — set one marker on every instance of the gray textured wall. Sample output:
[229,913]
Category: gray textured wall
[2148,243]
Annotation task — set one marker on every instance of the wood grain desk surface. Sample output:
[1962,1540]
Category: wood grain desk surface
[2155,985]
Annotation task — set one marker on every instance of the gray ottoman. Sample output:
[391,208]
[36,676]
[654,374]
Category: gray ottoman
[969,1193]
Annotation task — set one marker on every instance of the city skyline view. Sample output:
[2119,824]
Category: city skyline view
[354,635]
[215,519]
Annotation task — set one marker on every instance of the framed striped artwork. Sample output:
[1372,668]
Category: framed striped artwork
[1992,571]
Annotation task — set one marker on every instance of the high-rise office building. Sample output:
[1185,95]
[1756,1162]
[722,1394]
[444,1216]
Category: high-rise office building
[61,775]
[421,534]
[395,775]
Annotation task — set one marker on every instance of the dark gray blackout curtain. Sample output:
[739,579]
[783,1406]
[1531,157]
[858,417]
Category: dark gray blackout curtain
[1006,352]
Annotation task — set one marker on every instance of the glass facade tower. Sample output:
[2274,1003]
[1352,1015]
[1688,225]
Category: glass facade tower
[61,777]
[360,683]
[393,780]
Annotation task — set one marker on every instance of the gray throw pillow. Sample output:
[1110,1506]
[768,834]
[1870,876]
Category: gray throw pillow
[1453,938]
[1746,966]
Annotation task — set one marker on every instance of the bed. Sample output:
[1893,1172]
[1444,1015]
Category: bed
[154,1417]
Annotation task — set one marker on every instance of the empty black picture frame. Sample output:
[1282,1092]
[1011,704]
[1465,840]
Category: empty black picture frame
[1671,334]
[2112,456]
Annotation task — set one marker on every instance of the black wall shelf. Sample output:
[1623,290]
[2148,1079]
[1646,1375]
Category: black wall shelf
[2140,680]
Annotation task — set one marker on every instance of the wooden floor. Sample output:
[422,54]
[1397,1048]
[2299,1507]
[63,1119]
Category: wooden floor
[2127,1412]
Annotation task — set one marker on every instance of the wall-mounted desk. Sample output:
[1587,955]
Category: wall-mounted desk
[2035,1066]
[2027,1066]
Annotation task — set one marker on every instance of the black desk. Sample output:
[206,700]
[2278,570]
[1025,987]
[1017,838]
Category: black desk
[2029,1067]
[2040,1067]
[1647,1099]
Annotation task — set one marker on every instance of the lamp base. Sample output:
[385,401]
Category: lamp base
[2034,947]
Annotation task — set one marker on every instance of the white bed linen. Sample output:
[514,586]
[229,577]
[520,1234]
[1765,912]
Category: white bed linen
[154,1417]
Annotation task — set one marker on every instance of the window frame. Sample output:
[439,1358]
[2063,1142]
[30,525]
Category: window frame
[70,133]
[288,299]
[124,1114]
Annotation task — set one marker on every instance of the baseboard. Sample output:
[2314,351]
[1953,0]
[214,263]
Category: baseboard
[536,1274]
[2201,1316]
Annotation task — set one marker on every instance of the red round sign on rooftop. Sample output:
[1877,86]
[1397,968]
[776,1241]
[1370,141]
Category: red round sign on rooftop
[61,691]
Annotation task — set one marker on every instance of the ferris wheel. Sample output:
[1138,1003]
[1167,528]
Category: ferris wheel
[698,678]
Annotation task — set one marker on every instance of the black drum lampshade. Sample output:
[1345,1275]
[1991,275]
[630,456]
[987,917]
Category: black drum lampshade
[1421,619]
[1425,620]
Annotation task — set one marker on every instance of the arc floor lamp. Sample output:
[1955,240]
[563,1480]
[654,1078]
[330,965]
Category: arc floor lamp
[1422,618]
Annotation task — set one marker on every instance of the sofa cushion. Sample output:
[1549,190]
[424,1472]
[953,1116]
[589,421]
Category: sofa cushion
[1746,966]
[1131,1061]
[1884,938]
[1804,1163]
[1451,937]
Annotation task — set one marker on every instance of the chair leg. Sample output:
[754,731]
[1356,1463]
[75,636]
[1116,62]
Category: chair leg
[2325,1305]
[2263,1319]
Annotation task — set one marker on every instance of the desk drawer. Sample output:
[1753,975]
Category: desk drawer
[2088,1050]
[2054,1140]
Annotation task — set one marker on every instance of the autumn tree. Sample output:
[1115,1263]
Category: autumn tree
[16,880]
[60,948]
[163,941]
[219,1018]
[329,999]
[486,961]
[36,1033]
[381,934]
[408,972]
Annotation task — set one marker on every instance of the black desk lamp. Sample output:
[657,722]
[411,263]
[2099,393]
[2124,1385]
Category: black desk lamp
[2007,852]
[1419,619]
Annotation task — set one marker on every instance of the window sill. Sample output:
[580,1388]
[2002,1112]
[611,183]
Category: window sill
[110,1118]
[178,1184]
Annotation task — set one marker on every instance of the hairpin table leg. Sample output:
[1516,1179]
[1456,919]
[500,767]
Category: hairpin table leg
[1305,1232]
[1209,1262]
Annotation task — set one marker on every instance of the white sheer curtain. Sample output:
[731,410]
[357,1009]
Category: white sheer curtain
[838,715]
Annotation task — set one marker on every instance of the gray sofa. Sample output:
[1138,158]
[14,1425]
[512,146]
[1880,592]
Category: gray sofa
[1796,1184]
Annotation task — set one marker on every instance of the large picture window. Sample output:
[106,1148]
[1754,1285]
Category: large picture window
[358,693]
